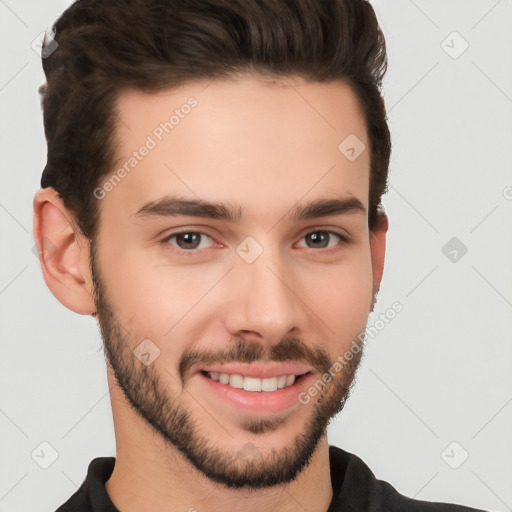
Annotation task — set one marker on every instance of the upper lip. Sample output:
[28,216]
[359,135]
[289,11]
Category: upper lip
[259,370]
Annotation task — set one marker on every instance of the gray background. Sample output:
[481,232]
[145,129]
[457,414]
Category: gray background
[438,373]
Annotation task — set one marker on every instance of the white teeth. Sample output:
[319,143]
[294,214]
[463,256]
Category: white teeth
[236,381]
[253,383]
[269,384]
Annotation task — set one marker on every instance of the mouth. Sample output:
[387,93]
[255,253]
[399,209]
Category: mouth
[255,396]
[255,384]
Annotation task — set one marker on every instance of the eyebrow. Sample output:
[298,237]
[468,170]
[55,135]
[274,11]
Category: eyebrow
[170,206]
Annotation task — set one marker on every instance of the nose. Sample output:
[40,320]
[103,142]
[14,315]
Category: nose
[264,300]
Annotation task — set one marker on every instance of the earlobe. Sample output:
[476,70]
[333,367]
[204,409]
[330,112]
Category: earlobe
[63,253]
[378,249]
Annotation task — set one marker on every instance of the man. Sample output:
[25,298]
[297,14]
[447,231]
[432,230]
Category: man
[213,197]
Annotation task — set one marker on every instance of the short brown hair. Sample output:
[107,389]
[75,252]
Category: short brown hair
[106,46]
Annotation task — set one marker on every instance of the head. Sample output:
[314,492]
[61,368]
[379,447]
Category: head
[212,195]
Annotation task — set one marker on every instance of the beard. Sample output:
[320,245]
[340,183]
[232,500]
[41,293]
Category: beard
[245,467]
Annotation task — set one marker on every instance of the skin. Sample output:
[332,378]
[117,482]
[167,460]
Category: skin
[214,305]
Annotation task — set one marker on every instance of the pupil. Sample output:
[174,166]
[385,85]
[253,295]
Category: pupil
[188,239]
[319,236]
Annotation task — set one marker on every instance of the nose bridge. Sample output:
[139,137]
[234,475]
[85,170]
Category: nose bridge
[264,302]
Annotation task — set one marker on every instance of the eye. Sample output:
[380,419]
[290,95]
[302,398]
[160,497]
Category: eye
[190,242]
[187,241]
[321,239]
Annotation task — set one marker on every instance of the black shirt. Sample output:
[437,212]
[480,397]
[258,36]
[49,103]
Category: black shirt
[355,489]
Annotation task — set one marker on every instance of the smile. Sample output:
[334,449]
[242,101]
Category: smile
[253,383]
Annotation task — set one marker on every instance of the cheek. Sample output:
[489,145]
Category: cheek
[343,296]
[153,299]
[141,293]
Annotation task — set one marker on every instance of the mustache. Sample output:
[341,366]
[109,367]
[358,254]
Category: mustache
[287,350]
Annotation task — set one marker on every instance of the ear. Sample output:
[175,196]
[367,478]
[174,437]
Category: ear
[63,253]
[378,248]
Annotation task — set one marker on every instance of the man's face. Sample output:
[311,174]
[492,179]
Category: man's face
[269,292]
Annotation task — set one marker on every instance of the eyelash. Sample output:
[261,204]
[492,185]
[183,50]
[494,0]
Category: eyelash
[192,252]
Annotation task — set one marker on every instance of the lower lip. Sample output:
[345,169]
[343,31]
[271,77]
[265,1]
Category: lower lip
[257,402]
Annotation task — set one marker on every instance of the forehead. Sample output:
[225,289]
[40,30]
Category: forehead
[247,141]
